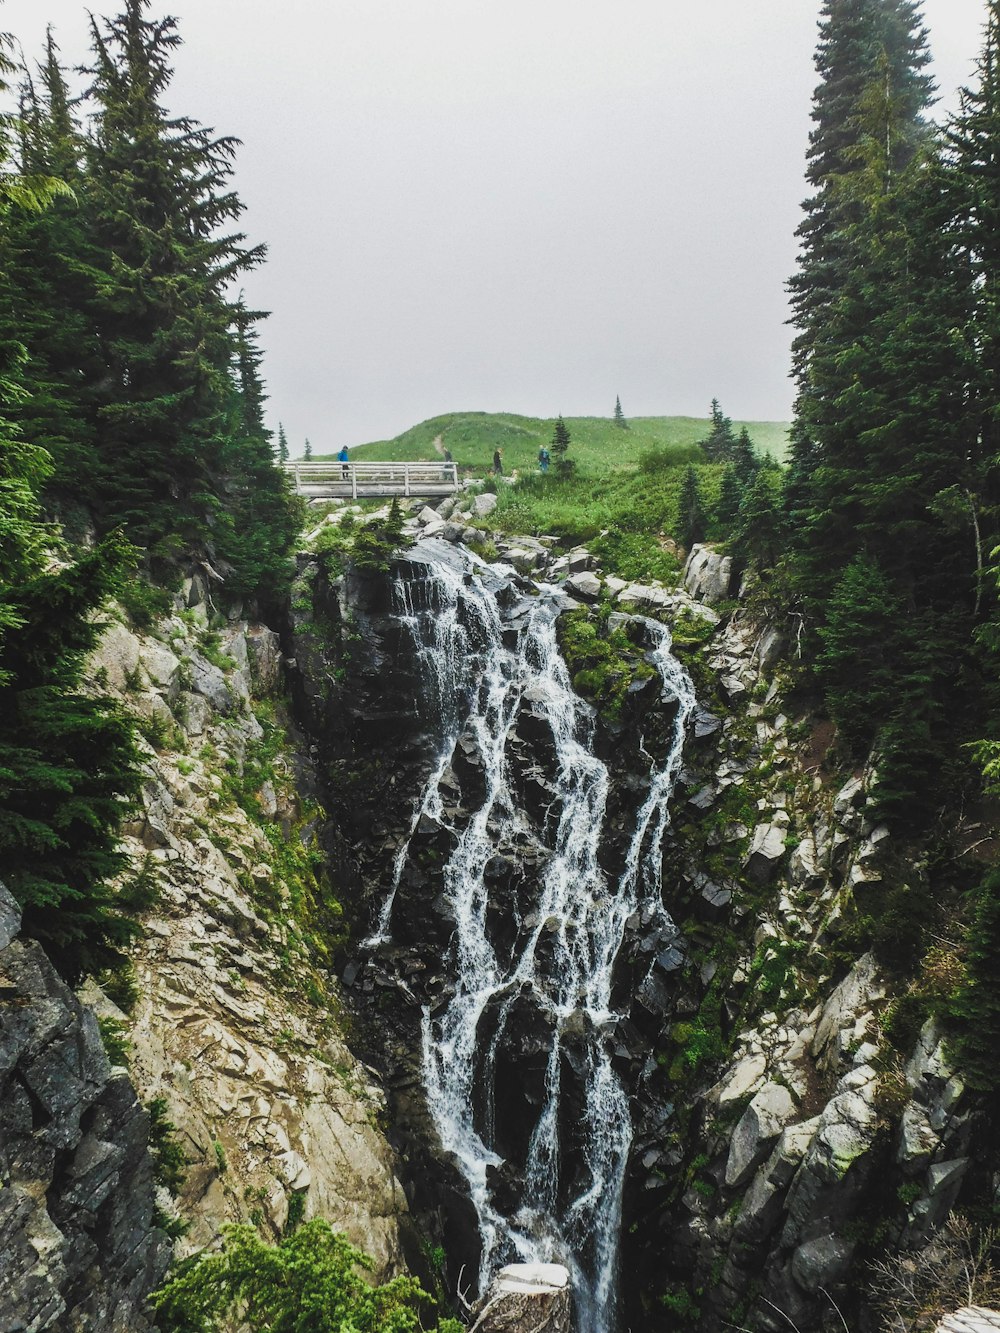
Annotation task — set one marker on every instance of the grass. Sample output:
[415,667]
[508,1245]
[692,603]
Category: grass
[598,446]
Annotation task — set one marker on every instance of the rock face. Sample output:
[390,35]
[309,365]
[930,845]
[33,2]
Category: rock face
[237,1021]
[526,1298]
[79,1247]
[708,575]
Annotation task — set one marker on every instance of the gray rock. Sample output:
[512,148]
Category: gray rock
[209,681]
[708,575]
[579,561]
[585,586]
[759,1126]
[766,852]
[821,1262]
[484,505]
[77,1231]
[847,1013]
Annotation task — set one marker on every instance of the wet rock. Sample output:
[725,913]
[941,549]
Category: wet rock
[526,1298]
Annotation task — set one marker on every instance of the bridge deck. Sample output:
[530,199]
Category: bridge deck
[356,481]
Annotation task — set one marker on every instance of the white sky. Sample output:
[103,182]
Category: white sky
[519,205]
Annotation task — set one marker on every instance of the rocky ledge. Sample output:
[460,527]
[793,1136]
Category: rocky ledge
[79,1248]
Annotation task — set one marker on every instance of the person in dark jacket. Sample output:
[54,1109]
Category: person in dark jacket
[497,463]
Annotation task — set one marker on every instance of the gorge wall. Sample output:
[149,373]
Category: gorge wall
[786,1130]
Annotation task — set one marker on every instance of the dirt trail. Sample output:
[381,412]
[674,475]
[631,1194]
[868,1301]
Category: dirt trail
[438,443]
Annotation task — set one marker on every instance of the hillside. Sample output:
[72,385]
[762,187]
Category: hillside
[598,445]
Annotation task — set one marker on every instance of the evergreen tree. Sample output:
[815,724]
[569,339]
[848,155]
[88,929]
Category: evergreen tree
[759,535]
[727,506]
[620,421]
[67,758]
[161,197]
[560,447]
[719,445]
[282,444]
[307,452]
[744,458]
[691,518]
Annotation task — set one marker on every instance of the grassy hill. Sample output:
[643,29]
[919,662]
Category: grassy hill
[622,496]
[597,445]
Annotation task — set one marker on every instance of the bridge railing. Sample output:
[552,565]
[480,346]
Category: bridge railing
[356,479]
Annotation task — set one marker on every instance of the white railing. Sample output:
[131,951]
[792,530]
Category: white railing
[360,479]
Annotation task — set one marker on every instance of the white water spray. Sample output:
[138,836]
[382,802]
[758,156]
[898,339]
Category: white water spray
[565,951]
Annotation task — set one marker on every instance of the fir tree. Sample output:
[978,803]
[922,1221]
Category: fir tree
[282,444]
[560,448]
[727,506]
[691,518]
[720,443]
[162,197]
[744,458]
[307,452]
[759,536]
[620,421]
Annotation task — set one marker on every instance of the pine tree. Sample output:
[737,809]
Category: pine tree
[161,195]
[745,462]
[282,444]
[727,506]
[759,535]
[620,421]
[307,452]
[560,447]
[691,518]
[720,443]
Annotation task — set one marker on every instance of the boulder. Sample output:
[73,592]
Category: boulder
[743,1078]
[484,505]
[707,575]
[821,1262]
[429,515]
[587,587]
[646,597]
[766,852]
[526,1298]
[759,1126]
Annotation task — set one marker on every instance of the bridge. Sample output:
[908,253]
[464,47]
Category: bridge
[358,481]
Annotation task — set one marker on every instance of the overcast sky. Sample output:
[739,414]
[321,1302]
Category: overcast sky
[512,205]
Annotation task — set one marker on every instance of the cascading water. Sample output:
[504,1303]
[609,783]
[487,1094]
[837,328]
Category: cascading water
[562,960]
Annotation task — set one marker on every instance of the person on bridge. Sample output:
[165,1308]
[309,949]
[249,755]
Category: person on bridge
[343,457]
[498,462]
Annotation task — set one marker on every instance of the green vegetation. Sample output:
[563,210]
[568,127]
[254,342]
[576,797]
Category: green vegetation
[310,1279]
[169,1162]
[599,446]
[141,374]
[604,663]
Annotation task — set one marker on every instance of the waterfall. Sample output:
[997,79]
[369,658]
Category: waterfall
[480,674]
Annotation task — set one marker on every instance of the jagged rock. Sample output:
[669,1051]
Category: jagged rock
[917,1140]
[761,1123]
[77,1234]
[762,1203]
[209,681]
[743,1079]
[821,1262]
[483,505]
[848,801]
[429,515]
[615,585]
[585,586]
[766,852]
[708,575]
[770,646]
[580,560]
[526,1298]
[847,1013]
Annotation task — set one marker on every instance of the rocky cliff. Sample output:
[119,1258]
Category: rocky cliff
[234,1016]
[79,1244]
[791,1123]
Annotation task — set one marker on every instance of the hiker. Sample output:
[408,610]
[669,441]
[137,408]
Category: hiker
[543,459]
[497,462]
[447,456]
[343,457]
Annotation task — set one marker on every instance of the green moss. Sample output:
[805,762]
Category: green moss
[603,663]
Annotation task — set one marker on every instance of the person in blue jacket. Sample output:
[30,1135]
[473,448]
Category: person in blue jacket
[343,456]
